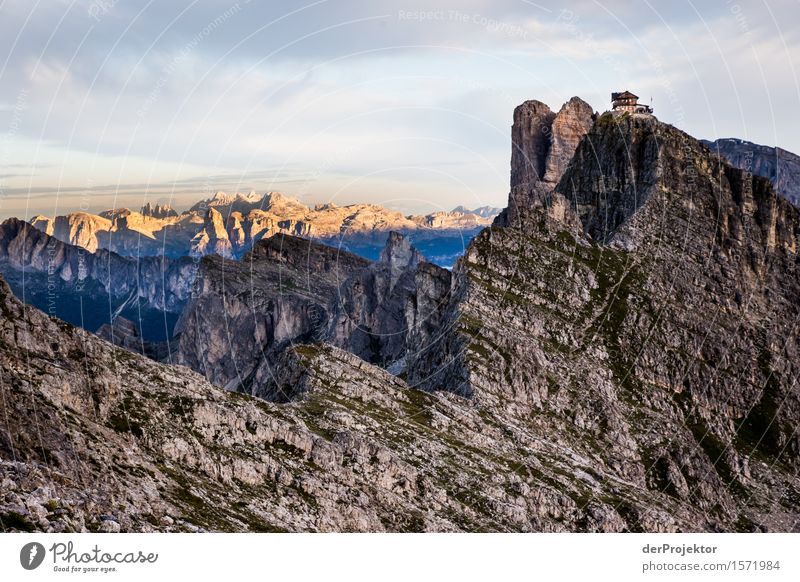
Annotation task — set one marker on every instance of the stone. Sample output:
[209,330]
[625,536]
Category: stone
[543,144]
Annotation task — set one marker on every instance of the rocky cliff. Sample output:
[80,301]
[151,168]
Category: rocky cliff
[290,290]
[241,312]
[654,338]
[542,145]
[213,239]
[88,288]
[378,305]
[779,166]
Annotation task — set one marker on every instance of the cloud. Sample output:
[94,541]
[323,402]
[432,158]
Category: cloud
[138,93]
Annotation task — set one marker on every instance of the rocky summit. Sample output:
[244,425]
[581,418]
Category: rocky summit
[543,143]
[616,353]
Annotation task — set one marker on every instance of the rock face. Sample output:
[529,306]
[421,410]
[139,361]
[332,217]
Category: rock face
[627,367]
[779,166]
[242,312]
[80,228]
[636,339]
[628,178]
[543,143]
[125,334]
[230,224]
[158,211]
[378,305]
[288,291]
[573,121]
[85,288]
[213,238]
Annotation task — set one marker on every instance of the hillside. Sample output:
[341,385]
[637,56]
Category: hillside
[616,353]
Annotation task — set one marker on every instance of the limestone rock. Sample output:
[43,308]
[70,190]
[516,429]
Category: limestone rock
[542,144]
[242,312]
[571,123]
[230,224]
[162,284]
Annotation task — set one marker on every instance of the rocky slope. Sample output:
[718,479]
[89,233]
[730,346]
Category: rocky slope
[242,312]
[229,225]
[290,290]
[98,439]
[102,440]
[652,333]
[86,288]
[779,166]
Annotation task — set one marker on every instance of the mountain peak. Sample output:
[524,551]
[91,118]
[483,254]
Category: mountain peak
[248,218]
[399,253]
[157,211]
[482,211]
[542,144]
[571,123]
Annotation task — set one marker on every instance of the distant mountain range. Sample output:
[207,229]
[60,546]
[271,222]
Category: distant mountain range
[779,166]
[89,289]
[128,274]
[229,224]
[482,211]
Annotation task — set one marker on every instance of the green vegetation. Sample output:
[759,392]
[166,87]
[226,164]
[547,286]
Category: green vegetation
[12,520]
[129,417]
[760,431]
[712,446]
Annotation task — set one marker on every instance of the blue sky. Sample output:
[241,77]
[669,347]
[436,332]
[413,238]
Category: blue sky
[110,103]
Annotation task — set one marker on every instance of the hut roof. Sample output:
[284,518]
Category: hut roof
[623,95]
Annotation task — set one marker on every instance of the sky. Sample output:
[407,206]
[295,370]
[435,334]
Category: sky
[114,103]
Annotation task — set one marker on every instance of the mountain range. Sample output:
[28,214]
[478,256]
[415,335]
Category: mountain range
[779,166]
[89,289]
[617,351]
[229,224]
